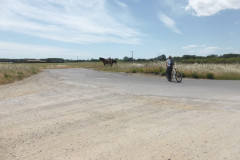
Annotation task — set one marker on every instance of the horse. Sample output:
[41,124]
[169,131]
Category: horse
[114,61]
[106,61]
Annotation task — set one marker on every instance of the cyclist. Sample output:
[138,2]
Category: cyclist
[169,65]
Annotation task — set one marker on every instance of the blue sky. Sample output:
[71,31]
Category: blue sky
[83,29]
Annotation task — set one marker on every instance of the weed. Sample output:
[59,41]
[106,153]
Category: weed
[7,76]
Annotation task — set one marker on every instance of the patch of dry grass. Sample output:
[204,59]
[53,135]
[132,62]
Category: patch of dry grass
[10,72]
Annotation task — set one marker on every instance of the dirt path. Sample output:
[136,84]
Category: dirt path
[51,117]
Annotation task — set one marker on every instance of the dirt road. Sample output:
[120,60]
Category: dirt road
[82,114]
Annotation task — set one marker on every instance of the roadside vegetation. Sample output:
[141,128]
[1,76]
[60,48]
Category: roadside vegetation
[11,72]
[196,70]
[224,67]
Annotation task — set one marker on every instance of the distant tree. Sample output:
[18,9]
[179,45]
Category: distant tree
[200,57]
[177,58]
[55,60]
[127,59]
[140,60]
[230,55]
[94,60]
[189,57]
[163,57]
[212,56]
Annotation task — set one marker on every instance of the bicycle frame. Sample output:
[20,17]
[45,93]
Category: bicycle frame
[174,72]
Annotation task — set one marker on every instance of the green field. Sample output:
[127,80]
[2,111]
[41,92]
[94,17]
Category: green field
[10,72]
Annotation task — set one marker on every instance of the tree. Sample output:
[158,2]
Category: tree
[212,56]
[163,57]
[127,59]
[230,55]
[188,56]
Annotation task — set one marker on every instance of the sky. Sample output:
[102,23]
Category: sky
[85,29]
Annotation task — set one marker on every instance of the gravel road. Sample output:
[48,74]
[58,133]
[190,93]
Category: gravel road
[82,114]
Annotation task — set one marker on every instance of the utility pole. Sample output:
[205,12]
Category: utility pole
[132,56]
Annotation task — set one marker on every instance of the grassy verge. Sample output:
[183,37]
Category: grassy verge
[196,71]
[10,72]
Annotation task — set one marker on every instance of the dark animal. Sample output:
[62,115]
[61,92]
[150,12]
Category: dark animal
[106,61]
[114,61]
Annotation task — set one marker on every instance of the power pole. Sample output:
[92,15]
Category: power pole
[132,56]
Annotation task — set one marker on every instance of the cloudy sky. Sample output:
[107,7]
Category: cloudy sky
[83,29]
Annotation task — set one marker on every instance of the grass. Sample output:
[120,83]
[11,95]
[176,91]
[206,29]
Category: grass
[10,72]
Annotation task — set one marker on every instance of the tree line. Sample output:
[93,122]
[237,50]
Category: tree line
[47,60]
[213,58]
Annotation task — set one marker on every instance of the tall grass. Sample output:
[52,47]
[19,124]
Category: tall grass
[10,72]
[197,71]
[211,71]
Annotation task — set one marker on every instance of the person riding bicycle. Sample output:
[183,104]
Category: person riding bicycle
[169,65]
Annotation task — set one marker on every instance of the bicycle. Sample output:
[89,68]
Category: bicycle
[175,74]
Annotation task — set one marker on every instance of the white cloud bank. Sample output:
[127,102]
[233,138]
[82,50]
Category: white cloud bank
[77,21]
[205,50]
[211,7]
[168,22]
[21,50]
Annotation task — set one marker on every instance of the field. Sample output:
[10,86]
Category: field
[10,72]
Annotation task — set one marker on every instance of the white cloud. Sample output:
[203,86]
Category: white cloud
[192,46]
[76,21]
[17,50]
[174,7]
[168,22]
[211,7]
[204,50]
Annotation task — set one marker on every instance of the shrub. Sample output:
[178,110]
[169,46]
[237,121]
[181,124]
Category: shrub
[156,71]
[7,76]
[195,75]
[163,73]
[210,76]
[183,74]
[134,70]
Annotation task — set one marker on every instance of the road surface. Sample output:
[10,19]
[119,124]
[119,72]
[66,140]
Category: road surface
[82,114]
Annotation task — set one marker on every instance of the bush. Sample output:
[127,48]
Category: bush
[163,73]
[183,74]
[195,75]
[134,70]
[210,76]
[156,71]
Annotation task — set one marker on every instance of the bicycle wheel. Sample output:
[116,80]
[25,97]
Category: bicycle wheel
[178,76]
